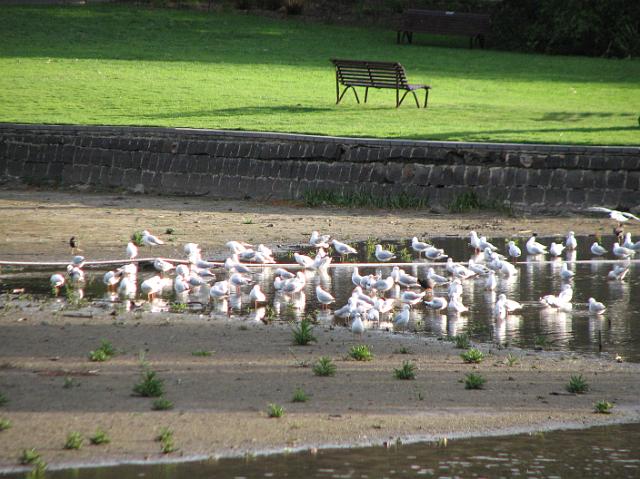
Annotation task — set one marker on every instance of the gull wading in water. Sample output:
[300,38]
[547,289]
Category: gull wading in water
[535,248]
[597,250]
[571,243]
[383,254]
[342,248]
[596,307]
[513,250]
[324,298]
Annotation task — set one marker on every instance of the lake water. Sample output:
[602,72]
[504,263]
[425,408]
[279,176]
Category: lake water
[574,454]
[615,332]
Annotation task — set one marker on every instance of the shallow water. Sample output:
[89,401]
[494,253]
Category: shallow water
[615,332]
[610,451]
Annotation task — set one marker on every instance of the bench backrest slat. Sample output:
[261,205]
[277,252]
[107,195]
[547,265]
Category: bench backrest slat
[369,73]
[437,22]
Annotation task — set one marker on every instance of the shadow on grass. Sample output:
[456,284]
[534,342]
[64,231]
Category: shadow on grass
[240,111]
[127,32]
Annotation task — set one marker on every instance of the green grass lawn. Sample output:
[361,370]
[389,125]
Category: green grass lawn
[126,65]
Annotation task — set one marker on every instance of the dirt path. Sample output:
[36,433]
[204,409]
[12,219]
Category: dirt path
[38,224]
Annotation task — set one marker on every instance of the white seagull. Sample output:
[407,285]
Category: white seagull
[383,254]
[597,250]
[556,249]
[257,296]
[535,248]
[513,250]
[595,307]
[342,248]
[132,250]
[402,318]
[571,243]
[621,251]
[437,303]
[149,240]
[620,216]
[324,297]
[419,246]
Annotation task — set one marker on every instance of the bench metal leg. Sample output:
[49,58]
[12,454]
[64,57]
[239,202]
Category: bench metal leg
[403,97]
[426,96]
[345,91]
[366,94]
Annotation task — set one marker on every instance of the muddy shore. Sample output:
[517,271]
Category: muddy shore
[221,400]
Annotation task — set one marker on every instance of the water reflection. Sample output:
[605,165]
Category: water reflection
[615,332]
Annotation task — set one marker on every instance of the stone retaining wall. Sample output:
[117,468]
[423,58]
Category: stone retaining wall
[231,164]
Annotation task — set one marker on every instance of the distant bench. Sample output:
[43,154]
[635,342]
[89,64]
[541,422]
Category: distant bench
[353,73]
[473,25]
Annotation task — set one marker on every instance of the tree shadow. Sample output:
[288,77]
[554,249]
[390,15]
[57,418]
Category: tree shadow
[135,33]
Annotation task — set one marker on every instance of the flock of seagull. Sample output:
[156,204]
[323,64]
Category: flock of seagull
[373,295]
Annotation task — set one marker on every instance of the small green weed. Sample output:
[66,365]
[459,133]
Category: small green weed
[462,341]
[100,437]
[170,231]
[300,396]
[303,333]
[150,385]
[164,434]
[247,221]
[402,350]
[465,202]
[274,410]
[74,441]
[406,371]
[202,353]
[162,404]
[405,255]
[177,307]
[577,385]
[136,238]
[38,471]
[603,407]
[5,424]
[511,360]
[103,353]
[324,367]
[361,352]
[29,456]
[474,381]
[69,382]
[3,400]
[540,342]
[472,355]
[166,440]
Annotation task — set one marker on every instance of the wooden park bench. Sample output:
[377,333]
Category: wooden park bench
[359,73]
[473,25]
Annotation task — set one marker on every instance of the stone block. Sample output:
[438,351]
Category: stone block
[558,178]
[616,179]
[595,197]
[576,197]
[311,170]
[393,172]
[555,196]
[496,176]
[534,196]
[422,173]
[633,182]
[574,179]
